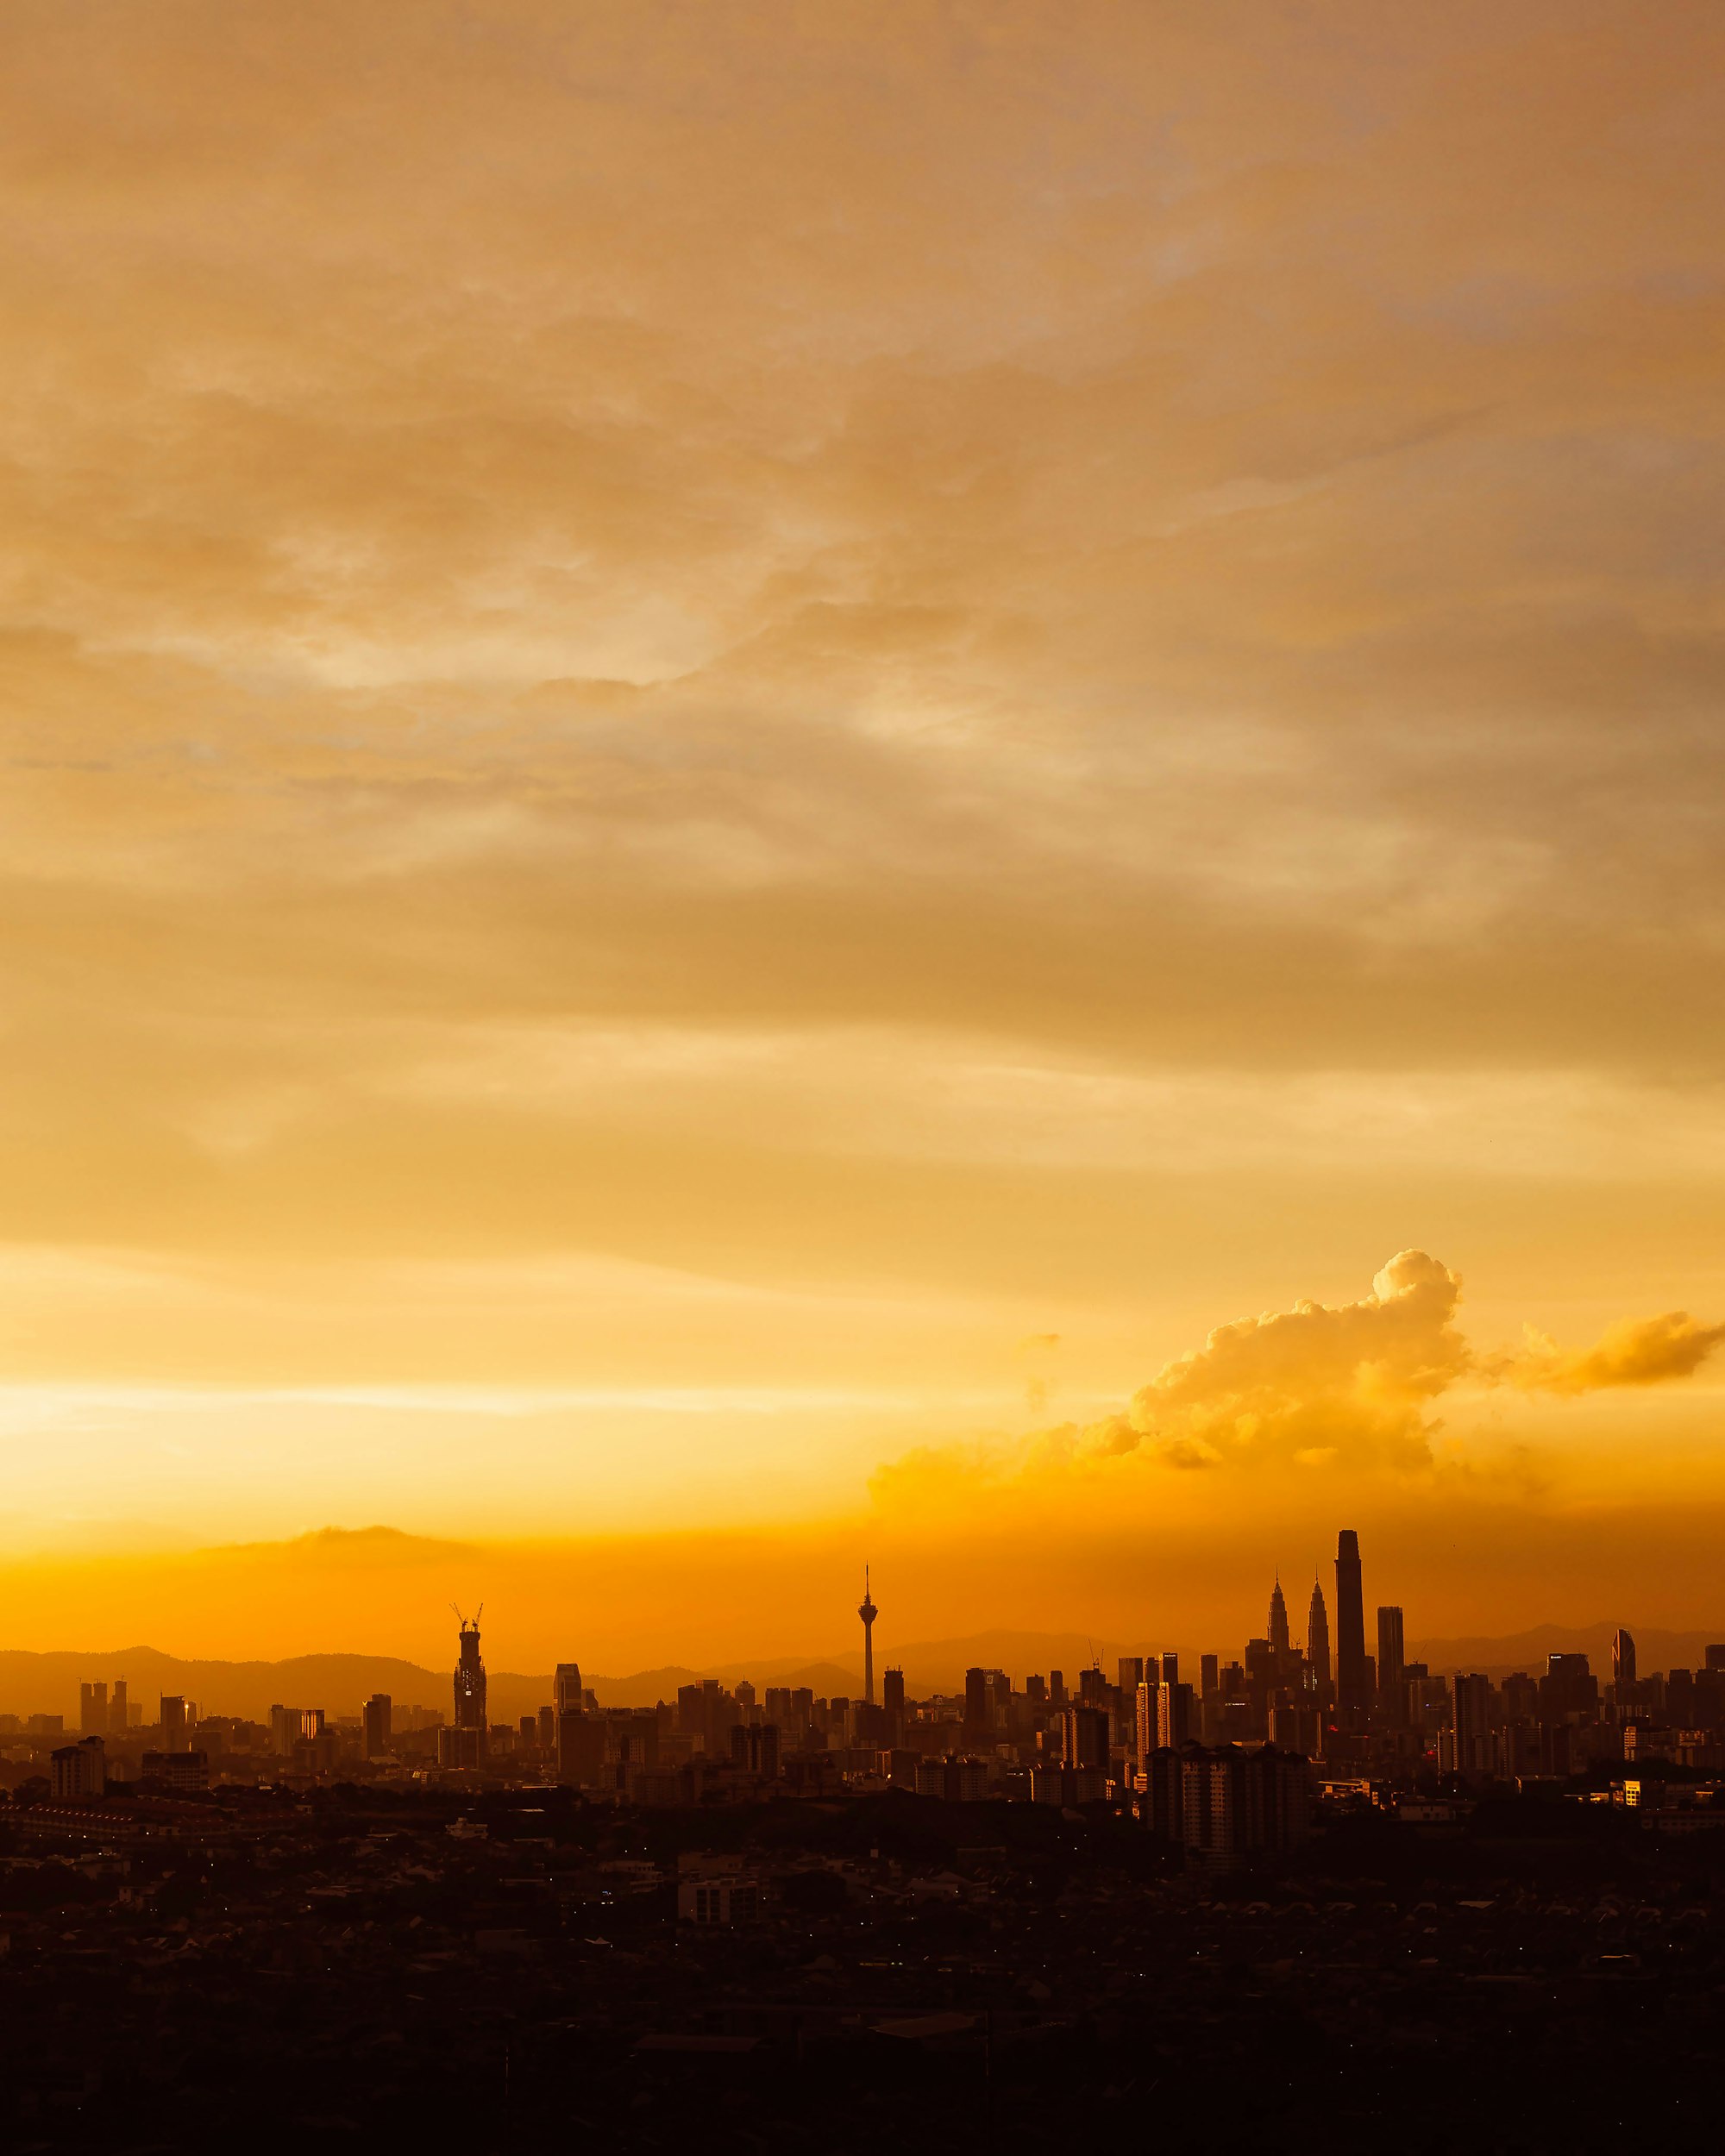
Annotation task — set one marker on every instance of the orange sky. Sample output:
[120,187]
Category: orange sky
[747,750]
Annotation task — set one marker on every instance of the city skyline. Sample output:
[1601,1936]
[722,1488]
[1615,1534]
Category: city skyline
[1348,1680]
[1324,1709]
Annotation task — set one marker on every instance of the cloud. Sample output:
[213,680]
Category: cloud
[1347,1382]
[1066,540]
[1316,1388]
[1638,1351]
[1314,1385]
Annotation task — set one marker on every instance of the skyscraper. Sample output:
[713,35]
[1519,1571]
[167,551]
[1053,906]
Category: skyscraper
[1174,1716]
[1391,1651]
[1318,1643]
[92,1709]
[469,1747]
[1084,1738]
[892,1699]
[866,1610]
[1623,1658]
[376,1718]
[1472,1724]
[1146,1702]
[975,1701]
[1353,1691]
[568,1697]
[1281,1641]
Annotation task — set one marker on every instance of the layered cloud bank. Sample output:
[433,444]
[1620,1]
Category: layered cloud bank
[705,711]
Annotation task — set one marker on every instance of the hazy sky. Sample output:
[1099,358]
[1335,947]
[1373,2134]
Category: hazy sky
[746,750]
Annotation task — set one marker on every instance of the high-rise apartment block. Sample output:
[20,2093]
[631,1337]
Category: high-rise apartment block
[1148,1719]
[78,1771]
[1174,1716]
[376,1718]
[1084,1738]
[1470,1735]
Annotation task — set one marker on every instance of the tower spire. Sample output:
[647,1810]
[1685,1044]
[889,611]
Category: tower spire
[1318,1644]
[1281,1640]
[868,1613]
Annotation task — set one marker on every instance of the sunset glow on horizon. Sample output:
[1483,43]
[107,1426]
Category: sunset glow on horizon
[793,787]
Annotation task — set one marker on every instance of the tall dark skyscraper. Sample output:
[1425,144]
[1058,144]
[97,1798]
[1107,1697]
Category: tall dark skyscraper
[1471,1736]
[1281,1642]
[1391,1651]
[470,1693]
[1353,1689]
[1623,1658]
[975,1700]
[376,1719]
[1318,1643]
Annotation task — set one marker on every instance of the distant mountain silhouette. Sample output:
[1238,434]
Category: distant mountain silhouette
[1498,1655]
[35,1683]
[47,1683]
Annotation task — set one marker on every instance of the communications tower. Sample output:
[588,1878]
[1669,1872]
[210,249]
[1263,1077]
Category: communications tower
[868,1613]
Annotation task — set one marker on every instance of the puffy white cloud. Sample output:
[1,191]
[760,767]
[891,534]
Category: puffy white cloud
[1352,1380]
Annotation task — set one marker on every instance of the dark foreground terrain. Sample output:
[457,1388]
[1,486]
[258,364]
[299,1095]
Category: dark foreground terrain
[249,1971]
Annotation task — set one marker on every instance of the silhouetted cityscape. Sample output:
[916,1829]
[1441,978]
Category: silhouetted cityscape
[1238,1755]
[977,1915]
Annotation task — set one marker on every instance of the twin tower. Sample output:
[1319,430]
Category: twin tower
[1353,1673]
